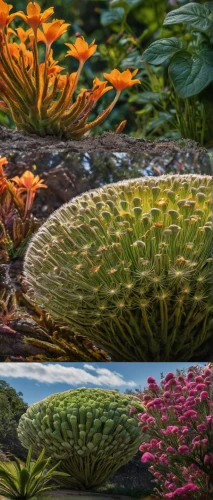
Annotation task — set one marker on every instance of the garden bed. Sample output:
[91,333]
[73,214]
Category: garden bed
[13,140]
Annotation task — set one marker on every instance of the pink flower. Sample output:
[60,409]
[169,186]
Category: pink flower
[190,414]
[144,428]
[147,457]
[151,420]
[190,376]
[201,428]
[144,416]
[204,395]
[193,392]
[183,449]
[169,376]
[166,394]
[200,387]
[151,380]
[170,449]
[133,410]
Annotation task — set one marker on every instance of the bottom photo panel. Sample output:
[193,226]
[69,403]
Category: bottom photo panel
[113,430]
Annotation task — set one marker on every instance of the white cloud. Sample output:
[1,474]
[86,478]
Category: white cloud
[89,367]
[56,373]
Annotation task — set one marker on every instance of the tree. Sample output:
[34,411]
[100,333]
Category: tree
[12,406]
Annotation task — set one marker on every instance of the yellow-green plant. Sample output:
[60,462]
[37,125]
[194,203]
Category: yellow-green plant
[18,482]
[38,98]
[129,266]
[89,430]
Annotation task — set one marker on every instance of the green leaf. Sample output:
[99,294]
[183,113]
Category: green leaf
[194,14]
[209,6]
[112,16]
[191,75]
[159,51]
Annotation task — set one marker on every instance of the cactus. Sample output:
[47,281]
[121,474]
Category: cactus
[129,266]
[89,430]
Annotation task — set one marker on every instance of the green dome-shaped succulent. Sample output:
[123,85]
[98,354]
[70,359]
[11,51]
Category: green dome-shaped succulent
[89,430]
[130,267]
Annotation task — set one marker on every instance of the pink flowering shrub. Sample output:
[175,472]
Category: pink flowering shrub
[179,425]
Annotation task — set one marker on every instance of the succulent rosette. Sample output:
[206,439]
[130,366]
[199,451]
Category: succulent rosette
[129,266]
[89,430]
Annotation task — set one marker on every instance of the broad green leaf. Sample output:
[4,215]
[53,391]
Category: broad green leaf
[191,74]
[112,16]
[160,50]
[194,14]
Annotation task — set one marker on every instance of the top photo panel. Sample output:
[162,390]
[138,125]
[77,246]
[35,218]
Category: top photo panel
[106,155]
[113,75]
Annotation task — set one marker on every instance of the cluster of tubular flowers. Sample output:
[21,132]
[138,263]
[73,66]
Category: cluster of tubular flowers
[34,93]
[179,424]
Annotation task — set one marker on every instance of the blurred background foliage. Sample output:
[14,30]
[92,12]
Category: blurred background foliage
[123,29]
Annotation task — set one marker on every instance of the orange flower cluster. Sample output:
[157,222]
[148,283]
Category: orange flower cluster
[22,189]
[38,97]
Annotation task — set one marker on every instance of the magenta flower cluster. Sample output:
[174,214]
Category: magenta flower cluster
[179,425]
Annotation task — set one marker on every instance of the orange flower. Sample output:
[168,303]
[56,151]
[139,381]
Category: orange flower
[3,161]
[5,18]
[81,50]
[63,78]
[99,89]
[22,34]
[3,180]
[52,31]
[28,182]
[120,80]
[15,49]
[34,18]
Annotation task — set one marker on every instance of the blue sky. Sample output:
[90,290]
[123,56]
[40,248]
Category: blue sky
[38,380]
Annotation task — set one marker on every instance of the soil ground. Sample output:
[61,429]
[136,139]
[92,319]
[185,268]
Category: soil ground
[108,141]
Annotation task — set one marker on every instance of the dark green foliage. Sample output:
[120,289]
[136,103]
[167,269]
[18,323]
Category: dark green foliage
[12,407]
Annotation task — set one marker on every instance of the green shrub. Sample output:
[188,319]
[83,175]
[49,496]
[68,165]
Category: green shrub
[129,267]
[89,430]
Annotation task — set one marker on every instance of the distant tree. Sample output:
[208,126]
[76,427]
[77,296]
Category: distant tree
[12,406]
